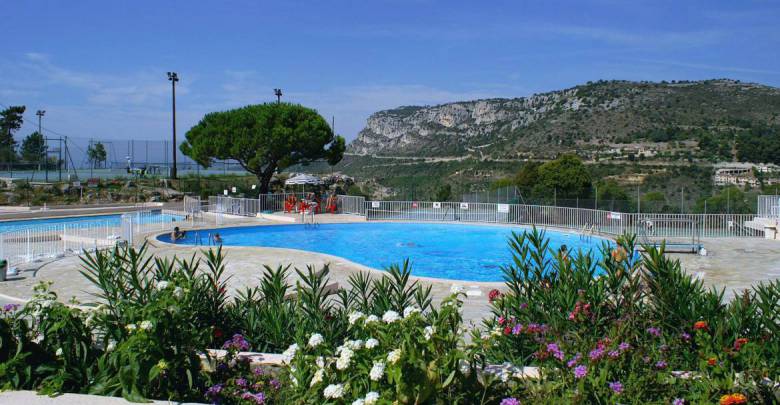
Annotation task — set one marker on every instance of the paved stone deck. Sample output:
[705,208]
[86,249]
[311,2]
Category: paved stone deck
[732,264]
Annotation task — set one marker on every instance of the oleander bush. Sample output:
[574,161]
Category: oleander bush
[628,327]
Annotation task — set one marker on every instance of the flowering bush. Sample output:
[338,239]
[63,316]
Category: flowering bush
[393,357]
[237,383]
[629,328]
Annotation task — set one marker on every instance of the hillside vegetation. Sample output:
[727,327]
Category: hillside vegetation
[695,120]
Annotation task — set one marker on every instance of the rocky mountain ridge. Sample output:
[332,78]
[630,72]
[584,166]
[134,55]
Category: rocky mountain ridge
[587,116]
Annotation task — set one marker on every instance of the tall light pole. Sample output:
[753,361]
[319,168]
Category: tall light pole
[40,114]
[173,77]
[278,94]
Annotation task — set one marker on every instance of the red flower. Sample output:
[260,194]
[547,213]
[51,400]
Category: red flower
[507,330]
[712,361]
[493,295]
[218,333]
[700,325]
[739,343]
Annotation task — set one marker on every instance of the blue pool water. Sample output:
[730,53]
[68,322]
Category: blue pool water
[113,219]
[452,251]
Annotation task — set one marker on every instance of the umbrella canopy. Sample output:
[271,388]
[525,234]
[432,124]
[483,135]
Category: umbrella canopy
[303,179]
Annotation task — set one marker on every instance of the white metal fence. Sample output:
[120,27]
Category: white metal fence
[54,240]
[769,206]
[654,225]
[250,207]
[350,204]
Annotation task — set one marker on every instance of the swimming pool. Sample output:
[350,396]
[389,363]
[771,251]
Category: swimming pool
[451,251]
[98,220]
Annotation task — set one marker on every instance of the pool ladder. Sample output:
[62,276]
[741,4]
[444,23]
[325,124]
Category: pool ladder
[199,239]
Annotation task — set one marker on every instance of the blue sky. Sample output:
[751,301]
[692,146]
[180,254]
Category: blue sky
[98,67]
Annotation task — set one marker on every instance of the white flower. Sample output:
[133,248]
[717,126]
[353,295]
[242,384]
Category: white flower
[345,358]
[408,311]
[162,285]
[320,362]
[131,327]
[178,293]
[354,344]
[355,316]
[371,398]
[358,401]
[372,318]
[428,332]
[317,378]
[333,391]
[390,317]
[315,340]
[58,353]
[289,354]
[456,289]
[394,356]
[111,346]
[146,325]
[377,371]
[371,343]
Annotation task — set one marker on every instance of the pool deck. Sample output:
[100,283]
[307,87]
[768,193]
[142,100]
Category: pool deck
[732,263]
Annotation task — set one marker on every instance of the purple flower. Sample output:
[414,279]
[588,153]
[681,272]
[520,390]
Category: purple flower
[275,383]
[237,342]
[660,364]
[678,401]
[573,362]
[614,354]
[510,401]
[654,331]
[596,353]
[616,386]
[555,350]
[242,382]
[258,371]
[524,305]
[580,371]
[258,398]
[686,337]
[213,391]
[10,307]
[517,329]
[624,346]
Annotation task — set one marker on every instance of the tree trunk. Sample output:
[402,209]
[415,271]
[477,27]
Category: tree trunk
[265,178]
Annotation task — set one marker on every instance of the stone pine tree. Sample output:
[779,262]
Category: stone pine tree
[264,138]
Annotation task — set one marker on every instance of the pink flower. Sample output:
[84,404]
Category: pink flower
[580,371]
[573,362]
[555,351]
[596,353]
[654,331]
